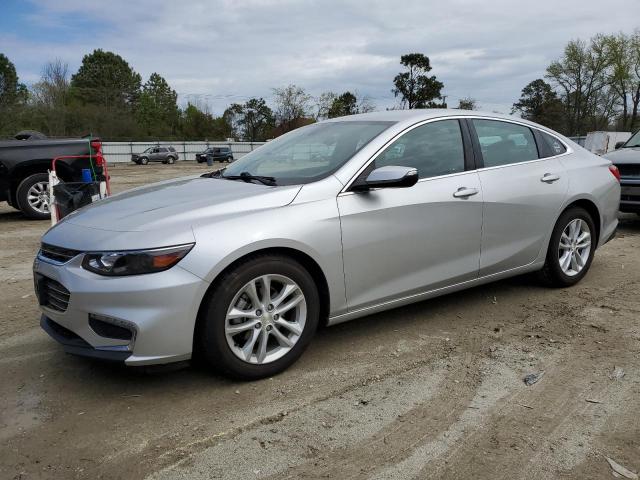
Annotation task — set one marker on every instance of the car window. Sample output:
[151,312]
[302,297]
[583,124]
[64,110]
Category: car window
[555,146]
[162,150]
[503,143]
[216,150]
[171,149]
[435,148]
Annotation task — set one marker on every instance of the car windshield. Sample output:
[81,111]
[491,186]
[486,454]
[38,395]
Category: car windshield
[633,141]
[149,150]
[309,153]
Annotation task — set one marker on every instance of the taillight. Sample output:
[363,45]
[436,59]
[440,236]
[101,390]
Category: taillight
[96,149]
[96,145]
[615,172]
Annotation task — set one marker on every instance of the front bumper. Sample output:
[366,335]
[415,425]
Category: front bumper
[159,308]
[75,345]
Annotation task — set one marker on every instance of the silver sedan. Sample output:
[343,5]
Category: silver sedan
[330,222]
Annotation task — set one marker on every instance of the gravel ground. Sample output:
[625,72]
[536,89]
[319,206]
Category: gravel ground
[432,390]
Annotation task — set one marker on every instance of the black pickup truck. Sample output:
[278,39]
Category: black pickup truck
[24,165]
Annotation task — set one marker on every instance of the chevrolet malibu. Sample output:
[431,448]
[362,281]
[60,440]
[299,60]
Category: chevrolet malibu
[330,222]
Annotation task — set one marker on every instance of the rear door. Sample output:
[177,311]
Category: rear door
[403,241]
[523,193]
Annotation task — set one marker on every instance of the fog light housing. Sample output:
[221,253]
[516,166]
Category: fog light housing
[110,327]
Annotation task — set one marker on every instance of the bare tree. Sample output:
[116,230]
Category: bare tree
[323,104]
[51,95]
[292,103]
[468,103]
[580,75]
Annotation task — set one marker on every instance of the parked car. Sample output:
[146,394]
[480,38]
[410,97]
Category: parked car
[217,154]
[156,154]
[627,158]
[24,163]
[240,266]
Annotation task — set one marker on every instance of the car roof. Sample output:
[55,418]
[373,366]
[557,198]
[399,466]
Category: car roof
[419,114]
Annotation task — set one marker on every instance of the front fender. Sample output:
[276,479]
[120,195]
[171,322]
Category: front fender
[312,228]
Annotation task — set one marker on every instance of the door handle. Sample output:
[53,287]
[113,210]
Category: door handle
[549,178]
[464,192]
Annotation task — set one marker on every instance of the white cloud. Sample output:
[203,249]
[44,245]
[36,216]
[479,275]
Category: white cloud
[224,51]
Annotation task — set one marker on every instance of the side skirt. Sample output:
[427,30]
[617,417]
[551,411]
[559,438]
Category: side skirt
[399,302]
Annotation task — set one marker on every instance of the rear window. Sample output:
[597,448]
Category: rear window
[162,149]
[555,146]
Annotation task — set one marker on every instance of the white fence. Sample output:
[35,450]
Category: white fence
[120,152]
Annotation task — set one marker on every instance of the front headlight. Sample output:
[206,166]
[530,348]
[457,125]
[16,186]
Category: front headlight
[134,262]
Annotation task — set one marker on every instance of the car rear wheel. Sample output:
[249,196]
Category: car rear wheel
[32,196]
[259,318]
[571,248]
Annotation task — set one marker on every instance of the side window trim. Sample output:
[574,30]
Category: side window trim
[477,151]
[470,160]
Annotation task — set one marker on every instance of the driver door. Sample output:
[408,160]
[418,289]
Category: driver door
[399,242]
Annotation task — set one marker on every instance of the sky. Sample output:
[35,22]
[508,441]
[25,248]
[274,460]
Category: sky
[216,52]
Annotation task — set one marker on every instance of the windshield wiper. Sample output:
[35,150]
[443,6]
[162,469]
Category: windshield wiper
[247,177]
[214,174]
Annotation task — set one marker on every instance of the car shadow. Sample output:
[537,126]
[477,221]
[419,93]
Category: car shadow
[114,377]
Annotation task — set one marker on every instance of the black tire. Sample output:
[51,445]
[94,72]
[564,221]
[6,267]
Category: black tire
[210,342]
[171,160]
[144,161]
[22,193]
[552,274]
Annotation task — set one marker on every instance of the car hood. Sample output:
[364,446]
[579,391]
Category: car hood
[181,202]
[624,155]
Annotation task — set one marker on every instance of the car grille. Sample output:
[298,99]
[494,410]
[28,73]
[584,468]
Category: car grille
[57,254]
[51,294]
[630,170]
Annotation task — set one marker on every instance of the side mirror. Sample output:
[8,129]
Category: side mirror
[619,144]
[390,177]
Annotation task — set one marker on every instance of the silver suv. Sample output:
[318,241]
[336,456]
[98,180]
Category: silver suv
[156,154]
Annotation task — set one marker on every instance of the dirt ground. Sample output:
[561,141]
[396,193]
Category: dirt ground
[433,390]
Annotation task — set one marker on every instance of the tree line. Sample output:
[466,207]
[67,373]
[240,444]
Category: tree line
[107,97]
[594,85]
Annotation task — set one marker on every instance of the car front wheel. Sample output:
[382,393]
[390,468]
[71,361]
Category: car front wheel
[259,318]
[571,248]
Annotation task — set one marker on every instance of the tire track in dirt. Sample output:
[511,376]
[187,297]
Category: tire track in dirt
[545,441]
[392,442]
[335,422]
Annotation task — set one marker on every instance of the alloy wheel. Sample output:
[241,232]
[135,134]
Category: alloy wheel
[265,319]
[575,247]
[38,197]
